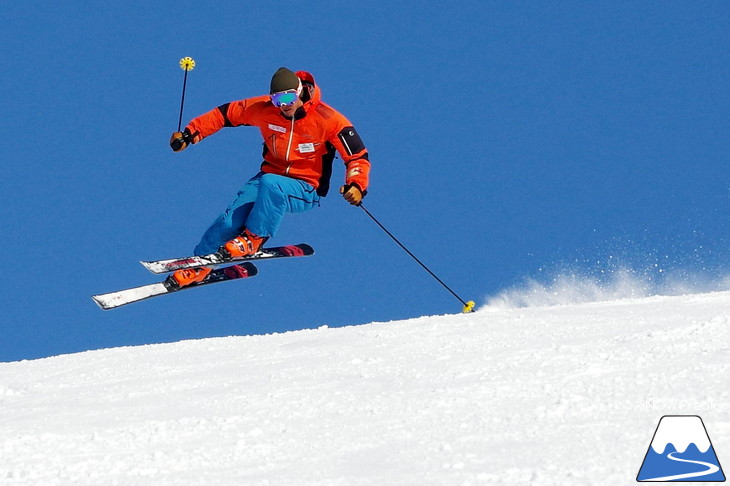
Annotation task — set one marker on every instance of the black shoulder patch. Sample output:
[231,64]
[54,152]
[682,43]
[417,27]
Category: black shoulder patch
[351,140]
[224,111]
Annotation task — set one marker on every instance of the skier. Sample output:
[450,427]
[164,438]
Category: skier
[301,134]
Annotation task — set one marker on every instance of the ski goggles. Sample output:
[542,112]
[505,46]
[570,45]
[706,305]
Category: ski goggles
[285,98]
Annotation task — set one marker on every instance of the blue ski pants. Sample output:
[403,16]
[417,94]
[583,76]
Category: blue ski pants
[259,206]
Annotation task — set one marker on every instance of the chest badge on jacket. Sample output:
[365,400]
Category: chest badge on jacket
[305,148]
[277,128]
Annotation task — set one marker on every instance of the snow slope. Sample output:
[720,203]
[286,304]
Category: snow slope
[553,395]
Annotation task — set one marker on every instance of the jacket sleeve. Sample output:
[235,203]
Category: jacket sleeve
[233,114]
[353,152]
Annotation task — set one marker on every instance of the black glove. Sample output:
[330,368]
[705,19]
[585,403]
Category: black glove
[180,140]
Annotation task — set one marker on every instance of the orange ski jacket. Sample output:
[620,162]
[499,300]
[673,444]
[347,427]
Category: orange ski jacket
[302,147]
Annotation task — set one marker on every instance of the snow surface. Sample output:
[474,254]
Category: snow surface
[542,395]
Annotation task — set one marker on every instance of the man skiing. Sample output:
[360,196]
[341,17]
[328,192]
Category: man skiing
[301,134]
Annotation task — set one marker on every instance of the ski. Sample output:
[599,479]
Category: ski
[214,259]
[113,300]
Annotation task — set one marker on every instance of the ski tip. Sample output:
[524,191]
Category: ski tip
[306,249]
[100,302]
[251,269]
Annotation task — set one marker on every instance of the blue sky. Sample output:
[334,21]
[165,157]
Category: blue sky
[509,140]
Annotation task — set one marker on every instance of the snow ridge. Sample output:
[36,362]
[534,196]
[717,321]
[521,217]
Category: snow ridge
[566,288]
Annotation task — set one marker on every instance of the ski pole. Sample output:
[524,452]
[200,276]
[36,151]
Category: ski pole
[468,305]
[186,64]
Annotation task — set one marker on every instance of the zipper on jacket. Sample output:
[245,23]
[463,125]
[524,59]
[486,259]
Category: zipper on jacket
[288,147]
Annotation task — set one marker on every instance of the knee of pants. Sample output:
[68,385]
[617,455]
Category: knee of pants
[271,185]
[291,194]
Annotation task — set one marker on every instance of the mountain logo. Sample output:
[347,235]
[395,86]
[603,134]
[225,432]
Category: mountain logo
[681,451]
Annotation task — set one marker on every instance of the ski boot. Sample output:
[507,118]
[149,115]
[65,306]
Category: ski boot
[187,276]
[243,245]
